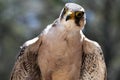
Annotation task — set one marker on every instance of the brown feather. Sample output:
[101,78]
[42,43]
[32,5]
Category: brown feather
[26,67]
[93,65]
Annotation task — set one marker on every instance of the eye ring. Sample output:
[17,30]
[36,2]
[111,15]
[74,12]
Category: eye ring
[79,14]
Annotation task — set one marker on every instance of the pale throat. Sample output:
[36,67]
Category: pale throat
[70,24]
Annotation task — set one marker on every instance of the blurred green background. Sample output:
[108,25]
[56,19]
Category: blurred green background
[21,20]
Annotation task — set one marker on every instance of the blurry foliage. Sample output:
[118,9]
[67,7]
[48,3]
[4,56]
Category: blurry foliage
[21,20]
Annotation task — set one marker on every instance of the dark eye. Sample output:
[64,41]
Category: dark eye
[65,9]
[79,14]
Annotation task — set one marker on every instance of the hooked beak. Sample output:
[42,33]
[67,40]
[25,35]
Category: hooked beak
[69,15]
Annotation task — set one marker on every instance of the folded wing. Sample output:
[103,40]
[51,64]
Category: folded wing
[93,65]
[26,67]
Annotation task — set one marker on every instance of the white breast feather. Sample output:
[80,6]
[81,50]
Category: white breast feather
[47,29]
[82,35]
[27,43]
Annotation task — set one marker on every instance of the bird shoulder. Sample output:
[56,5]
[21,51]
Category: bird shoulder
[90,46]
[93,64]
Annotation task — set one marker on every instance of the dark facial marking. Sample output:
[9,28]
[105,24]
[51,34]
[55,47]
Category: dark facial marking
[64,11]
[78,16]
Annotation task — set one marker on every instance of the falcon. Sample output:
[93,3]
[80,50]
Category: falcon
[61,51]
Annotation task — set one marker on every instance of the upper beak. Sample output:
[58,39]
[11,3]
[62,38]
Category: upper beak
[69,15]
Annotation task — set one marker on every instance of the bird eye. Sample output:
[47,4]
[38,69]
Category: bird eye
[65,9]
[79,14]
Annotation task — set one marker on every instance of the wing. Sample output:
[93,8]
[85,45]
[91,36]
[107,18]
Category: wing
[93,65]
[26,67]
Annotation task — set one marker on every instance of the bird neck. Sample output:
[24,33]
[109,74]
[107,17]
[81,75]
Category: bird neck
[70,25]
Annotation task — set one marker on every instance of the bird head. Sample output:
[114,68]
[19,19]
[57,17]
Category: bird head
[73,15]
